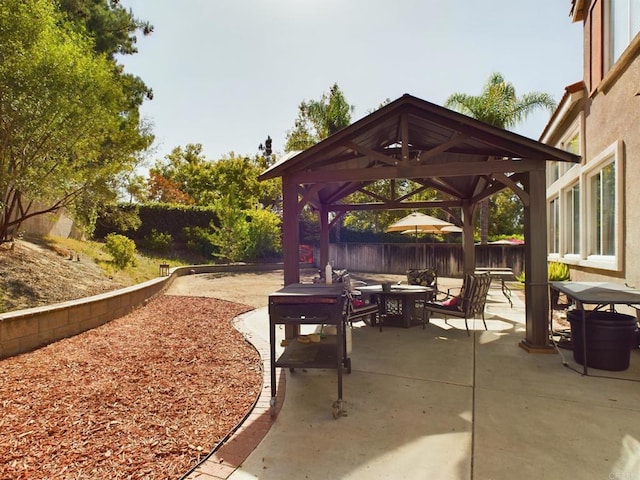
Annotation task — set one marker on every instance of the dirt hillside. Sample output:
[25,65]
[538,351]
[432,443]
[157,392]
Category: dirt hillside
[33,275]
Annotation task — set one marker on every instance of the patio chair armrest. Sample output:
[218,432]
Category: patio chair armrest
[440,296]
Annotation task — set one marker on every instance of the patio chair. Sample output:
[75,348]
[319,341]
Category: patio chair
[467,304]
[356,307]
[427,277]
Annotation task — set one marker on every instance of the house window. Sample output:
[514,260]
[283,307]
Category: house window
[624,24]
[571,143]
[554,226]
[585,212]
[553,172]
[602,192]
[572,220]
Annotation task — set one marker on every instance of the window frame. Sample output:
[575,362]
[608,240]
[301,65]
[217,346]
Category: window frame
[612,154]
[570,243]
[614,32]
[575,130]
[582,176]
[554,238]
[612,68]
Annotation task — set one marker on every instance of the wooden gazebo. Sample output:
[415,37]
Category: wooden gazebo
[465,159]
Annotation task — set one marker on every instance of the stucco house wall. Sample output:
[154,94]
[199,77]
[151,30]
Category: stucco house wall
[614,116]
[605,105]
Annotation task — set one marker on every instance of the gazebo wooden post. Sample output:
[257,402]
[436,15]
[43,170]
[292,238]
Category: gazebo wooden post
[323,213]
[468,244]
[290,240]
[535,259]
[290,236]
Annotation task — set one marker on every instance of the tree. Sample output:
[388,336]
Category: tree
[175,179]
[113,30]
[506,213]
[164,190]
[499,106]
[67,126]
[109,23]
[230,236]
[318,119]
[204,182]
[264,234]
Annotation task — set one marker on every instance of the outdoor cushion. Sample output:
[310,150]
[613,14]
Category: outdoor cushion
[452,302]
[357,302]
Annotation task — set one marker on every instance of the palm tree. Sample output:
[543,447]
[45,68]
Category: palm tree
[499,106]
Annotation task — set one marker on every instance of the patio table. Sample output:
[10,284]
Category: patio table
[599,294]
[399,303]
[502,274]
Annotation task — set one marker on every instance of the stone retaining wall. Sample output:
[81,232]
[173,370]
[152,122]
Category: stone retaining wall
[25,330]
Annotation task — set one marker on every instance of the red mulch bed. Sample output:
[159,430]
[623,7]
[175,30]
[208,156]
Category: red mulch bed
[146,396]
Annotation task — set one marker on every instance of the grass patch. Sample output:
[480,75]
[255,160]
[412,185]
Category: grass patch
[147,266]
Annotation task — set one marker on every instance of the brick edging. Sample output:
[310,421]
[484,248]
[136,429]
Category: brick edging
[230,455]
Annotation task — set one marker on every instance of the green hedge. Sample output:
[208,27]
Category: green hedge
[164,218]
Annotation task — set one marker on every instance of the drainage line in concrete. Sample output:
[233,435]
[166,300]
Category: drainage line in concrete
[473,405]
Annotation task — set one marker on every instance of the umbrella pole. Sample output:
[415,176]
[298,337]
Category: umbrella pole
[415,248]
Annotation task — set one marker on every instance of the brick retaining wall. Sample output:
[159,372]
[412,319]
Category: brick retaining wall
[25,330]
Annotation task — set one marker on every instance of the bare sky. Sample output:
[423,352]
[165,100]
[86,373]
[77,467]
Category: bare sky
[227,73]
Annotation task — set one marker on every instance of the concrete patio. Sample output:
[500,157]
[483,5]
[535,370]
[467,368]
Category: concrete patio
[436,403]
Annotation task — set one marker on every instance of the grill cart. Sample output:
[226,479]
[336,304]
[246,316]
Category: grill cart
[309,304]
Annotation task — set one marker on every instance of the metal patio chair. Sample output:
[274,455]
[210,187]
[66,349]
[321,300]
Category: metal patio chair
[467,304]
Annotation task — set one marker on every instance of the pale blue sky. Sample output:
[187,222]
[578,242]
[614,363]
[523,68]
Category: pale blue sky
[227,73]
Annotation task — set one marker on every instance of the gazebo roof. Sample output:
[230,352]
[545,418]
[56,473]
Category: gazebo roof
[463,158]
[414,139]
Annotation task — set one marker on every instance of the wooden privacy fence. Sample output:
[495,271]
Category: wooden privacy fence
[398,258]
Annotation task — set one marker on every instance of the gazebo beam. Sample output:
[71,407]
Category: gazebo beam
[452,169]
[394,205]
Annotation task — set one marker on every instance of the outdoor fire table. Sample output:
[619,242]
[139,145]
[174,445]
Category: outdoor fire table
[398,302]
[309,304]
[599,294]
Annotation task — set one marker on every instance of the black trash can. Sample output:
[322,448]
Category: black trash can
[610,337]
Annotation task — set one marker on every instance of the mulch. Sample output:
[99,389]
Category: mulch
[145,396]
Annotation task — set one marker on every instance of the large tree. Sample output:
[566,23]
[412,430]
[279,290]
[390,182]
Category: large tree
[112,27]
[68,123]
[317,119]
[499,106]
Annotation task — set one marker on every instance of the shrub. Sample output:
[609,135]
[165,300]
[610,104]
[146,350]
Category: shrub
[158,242]
[264,235]
[557,272]
[199,240]
[122,249]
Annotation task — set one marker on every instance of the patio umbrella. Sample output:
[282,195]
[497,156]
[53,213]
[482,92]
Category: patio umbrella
[417,222]
[444,230]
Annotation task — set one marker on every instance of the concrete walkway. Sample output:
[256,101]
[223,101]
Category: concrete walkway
[438,404]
